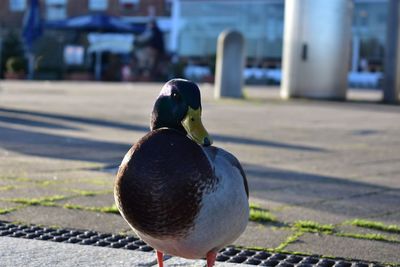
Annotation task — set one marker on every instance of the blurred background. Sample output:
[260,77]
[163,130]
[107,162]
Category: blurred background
[108,39]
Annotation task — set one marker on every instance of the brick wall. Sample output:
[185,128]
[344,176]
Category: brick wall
[13,19]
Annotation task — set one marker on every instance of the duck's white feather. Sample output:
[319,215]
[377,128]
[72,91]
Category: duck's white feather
[223,215]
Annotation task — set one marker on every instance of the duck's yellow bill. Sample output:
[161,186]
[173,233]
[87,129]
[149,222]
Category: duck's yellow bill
[194,127]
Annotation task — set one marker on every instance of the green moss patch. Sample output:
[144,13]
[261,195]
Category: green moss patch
[17,179]
[88,193]
[96,182]
[254,206]
[44,201]
[374,225]
[260,215]
[376,237]
[107,209]
[5,211]
[7,187]
[289,240]
[313,227]
[42,183]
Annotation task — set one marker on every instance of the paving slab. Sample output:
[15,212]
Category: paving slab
[261,236]
[291,214]
[30,193]
[349,248]
[34,253]
[68,218]
[390,218]
[378,203]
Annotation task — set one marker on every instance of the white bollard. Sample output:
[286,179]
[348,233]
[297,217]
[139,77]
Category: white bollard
[230,64]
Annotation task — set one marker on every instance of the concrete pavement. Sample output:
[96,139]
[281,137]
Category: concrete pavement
[311,165]
[34,253]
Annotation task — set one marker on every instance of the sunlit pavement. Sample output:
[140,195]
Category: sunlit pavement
[327,163]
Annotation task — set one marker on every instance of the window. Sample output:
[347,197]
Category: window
[128,4]
[17,5]
[56,9]
[98,5]
[167,7]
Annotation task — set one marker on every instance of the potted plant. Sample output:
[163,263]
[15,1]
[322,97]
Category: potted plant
[15,68]
[11,48]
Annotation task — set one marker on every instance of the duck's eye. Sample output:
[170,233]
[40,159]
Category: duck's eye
[175,96]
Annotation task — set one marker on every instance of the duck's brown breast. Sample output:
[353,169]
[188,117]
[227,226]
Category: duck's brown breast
[160,184]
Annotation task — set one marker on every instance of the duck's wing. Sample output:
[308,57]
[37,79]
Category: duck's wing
[213,151]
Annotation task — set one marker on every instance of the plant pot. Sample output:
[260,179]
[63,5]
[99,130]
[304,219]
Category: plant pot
[15,75]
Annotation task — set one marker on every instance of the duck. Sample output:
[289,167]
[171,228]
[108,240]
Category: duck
[180,194]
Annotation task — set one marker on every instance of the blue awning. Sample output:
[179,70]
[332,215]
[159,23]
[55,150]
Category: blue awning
[95,22]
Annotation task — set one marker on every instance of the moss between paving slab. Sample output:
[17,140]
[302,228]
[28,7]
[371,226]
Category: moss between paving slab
[5,211]
[374,225]
[106,209]
[53,182]
[89,193]
[376,237]
[7,187]
[313,227]
[96,182]
[289,240]
[260,215]
[302,227]
[29,180]
[51,202]
[18,179]
[44,201]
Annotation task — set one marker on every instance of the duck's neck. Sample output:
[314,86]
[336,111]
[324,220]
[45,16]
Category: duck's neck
[157,123]
[162,116]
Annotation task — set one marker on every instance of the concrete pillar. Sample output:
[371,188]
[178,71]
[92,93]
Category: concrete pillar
[316,48]
[229,65]
[355,57]
[391,81]
[175,25]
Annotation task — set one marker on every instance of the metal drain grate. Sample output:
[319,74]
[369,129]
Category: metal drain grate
[229,254]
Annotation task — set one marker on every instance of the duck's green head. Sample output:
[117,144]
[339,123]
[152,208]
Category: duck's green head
[179,107]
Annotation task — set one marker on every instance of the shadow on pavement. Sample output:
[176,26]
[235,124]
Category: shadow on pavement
[69,118]
[336,195]
[10,117]
[273,144]
[34,123]
[61,147]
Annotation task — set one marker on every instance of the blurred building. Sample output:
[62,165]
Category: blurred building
[50,47]
[191,28]
[11,11]
[200,22]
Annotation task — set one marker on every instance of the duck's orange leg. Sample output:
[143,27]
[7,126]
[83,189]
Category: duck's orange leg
[211,256]
[160,259]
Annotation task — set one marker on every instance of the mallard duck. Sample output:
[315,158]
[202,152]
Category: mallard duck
[181,195]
